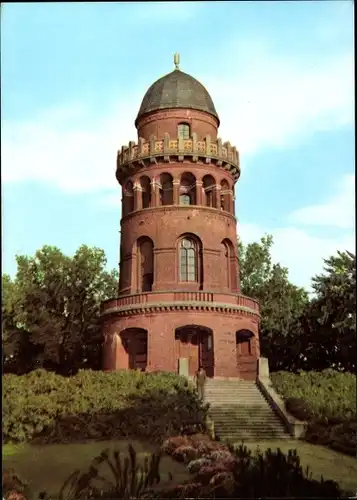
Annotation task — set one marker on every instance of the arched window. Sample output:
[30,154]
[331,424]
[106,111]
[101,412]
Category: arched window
[229,265]
[166,190]
[209,189]
[185,199]
[188,188]
[226,264]
[188,260]
[128,198]
[145,262]
[225,196]
[145,191]
[183,131]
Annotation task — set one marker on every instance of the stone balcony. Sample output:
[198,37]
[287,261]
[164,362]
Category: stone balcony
[145,153]
[180,299]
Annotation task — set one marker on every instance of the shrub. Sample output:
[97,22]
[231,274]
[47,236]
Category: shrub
[195,465]
[252,475]
[299,408]
[185,454]
[327,401]
[44,407]
[13,487]
[201,443]
[328,393]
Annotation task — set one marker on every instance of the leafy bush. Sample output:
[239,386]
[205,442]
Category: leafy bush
[327,401]
[200,443]
[328,393]
[46,407]
[247,475]
[299,408]
[13,487]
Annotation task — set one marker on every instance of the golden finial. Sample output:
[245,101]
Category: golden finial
[177,60]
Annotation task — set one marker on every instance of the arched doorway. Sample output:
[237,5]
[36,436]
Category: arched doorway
[135,343]
[195,343]
[246,361]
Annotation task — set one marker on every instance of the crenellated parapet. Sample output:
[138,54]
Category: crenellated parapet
[145,153]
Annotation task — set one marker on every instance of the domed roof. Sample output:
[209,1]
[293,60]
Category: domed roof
[177,90]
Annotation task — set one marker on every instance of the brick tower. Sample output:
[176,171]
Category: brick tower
[179,303]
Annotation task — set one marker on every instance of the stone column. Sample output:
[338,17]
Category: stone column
[138,199]
[217,191]
[199,196]
[176,191]
[155,194]
[232,199]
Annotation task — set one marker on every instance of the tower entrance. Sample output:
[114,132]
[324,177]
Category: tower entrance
[246,362]
[135,343]
[195,343]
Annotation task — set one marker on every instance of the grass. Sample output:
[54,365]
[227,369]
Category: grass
[320,460]
[45,468]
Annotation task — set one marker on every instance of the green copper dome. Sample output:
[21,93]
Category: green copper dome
[177,90]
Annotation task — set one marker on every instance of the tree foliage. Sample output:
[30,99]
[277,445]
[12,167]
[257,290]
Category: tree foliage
[51,310]
[329,323]
[281,302]
[297,333]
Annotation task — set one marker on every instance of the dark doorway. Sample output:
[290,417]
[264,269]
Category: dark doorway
[195,343]
[246,362]
[135,342]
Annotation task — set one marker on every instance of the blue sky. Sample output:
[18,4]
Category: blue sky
[280,74]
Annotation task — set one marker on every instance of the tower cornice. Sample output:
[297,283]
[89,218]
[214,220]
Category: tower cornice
[134,157]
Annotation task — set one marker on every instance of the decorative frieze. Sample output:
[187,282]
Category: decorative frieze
[136,156]
[145,308]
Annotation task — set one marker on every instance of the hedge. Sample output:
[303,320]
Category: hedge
[44,407]
[327,401]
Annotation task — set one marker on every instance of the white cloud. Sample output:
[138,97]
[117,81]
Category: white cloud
[269,102]
[278,102]
[68,148]
[297,250]
[339,211]
[301,252]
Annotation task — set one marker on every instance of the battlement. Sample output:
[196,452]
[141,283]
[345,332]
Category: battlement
[148,152]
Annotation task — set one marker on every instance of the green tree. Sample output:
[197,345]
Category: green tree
[281,302]
[330,322]
[55,302]
[17,350]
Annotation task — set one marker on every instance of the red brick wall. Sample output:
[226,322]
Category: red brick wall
[164,226]
[166,121]
[162,349]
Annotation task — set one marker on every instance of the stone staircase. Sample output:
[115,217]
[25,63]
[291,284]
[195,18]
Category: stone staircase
[240,412]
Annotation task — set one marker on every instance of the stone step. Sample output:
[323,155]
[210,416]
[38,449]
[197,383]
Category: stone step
[240,411]
[238,438]
[251,430]
[232,406]
[242,423]
[217,392]
[244,416]
[233,403]
[261,416]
